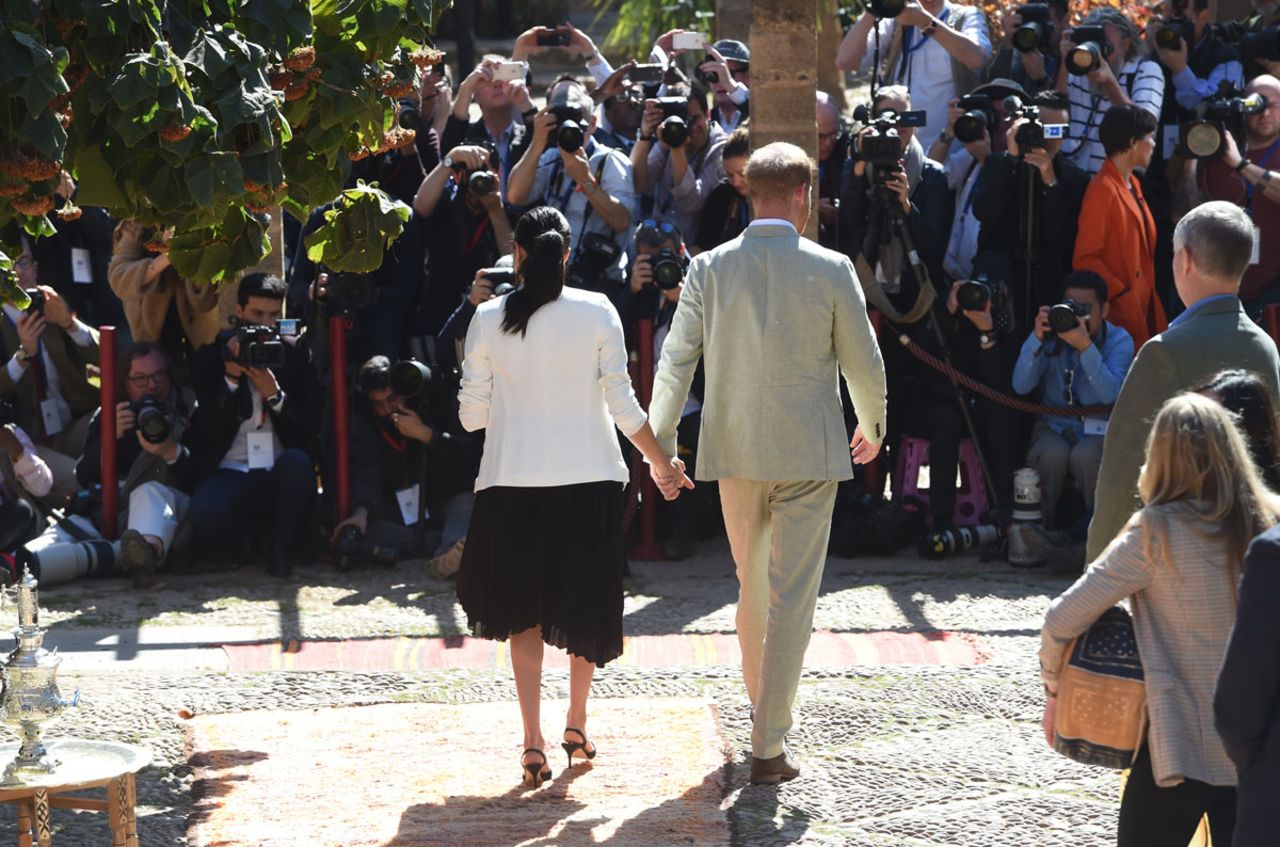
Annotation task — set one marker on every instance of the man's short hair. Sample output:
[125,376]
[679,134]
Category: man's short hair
[572,93]
[738,144]
[1087,279]
[667,232]
[693,92]
[139,350]
[374,375]
[1057,100]
[1219,236]
[1117,19]
[890,92]
[776,170]
[1123,125]
[261,285]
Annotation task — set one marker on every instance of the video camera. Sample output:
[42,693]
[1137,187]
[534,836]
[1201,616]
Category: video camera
[1065,316]
[1175,32]
[973,295]
[882,146]
[571,128]
[1091,50]
[153,419]
[1033,134]
[260,347]
[979,116]
[1204,137]
[674,130]
[1036,30]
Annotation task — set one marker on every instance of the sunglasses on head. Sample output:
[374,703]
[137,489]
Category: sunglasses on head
[664,227]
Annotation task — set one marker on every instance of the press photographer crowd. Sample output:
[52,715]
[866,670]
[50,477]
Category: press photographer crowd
[1008,199]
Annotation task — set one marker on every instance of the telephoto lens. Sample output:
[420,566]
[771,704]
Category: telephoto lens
[152,419]
[1036,29]
[674,132]
[409,377]
[973,295]
[938,545]
[482,183]
[668,269]
[1173,33]
[1065,316]
[570,128]
[974,122]
[1092,48]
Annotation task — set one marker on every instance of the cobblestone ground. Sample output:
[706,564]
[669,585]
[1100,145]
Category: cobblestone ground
[892,755]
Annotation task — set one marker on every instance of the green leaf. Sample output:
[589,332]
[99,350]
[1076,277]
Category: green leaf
[96,184]
[45,133]
[357,231]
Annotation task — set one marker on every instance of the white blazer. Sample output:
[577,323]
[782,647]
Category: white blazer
[548,401]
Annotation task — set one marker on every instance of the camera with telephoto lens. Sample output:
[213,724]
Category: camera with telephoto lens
[347,293]
[1032,134]
[597,255]
[1091,50]
[353,547]
[1205,136]
[153,419]
[1261,45]
[571,128]
[480,183]
[674,130]
[260,347]
[973,295]
[978,117]
[882,146]
[410,117]
[1175,32]
[1036,30]
[886,8]
[411,379]
[1065,316]
[668,268]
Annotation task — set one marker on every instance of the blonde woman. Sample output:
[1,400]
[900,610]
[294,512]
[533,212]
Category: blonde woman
[1179,563]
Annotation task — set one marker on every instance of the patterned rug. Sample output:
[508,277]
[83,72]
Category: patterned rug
[419,775]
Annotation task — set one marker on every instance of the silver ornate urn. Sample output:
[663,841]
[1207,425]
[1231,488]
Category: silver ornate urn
[29,698]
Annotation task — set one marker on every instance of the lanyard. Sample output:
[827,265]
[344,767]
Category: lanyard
[477,234]
[398,446]
[1248,186]
[905,68]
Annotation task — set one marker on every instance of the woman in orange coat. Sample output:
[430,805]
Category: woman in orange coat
[1117,234]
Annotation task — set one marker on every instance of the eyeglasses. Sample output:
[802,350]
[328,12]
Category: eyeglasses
[156,378]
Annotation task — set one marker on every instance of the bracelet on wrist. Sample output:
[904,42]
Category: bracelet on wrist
[1244,163]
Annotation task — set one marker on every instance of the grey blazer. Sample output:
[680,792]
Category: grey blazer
[776,319]
[1183,609]
[1217,336]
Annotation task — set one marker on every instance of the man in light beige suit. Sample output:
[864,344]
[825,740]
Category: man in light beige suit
[776,319]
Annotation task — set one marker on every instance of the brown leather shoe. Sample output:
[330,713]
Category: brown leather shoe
[772,771]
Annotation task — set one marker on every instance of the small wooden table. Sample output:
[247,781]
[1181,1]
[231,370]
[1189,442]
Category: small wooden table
[81,765]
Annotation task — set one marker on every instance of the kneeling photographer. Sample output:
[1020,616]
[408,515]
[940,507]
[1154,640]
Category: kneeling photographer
[255,432]
[412,467]
[155,468]
[1074,357]
[657,278]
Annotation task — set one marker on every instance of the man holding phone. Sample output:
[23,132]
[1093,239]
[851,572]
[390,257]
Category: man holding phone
[727,73]
[491,87]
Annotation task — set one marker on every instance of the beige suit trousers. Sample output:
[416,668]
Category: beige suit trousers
[778,532]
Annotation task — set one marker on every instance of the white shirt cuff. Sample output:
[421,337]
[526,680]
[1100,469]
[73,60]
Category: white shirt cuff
[80,334]
[15,369]
[740,94]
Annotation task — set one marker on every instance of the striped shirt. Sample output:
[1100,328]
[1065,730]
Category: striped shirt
[1141,79]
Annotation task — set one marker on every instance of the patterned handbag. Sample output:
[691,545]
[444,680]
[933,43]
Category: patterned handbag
[1102,698]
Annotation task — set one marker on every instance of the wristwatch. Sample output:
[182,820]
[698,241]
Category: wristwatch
[276,401]
[933,25]
[447,162]
[986,338]
[640,136]
[22,355]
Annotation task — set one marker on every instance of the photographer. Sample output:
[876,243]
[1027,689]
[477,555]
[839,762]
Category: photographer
[255,431]
[1198,62]
[497,126]
[1252,181]
[678,164]
[156,473]
[620,109]
[1026,54]
[727,74]
[46,378]
[404,461]
[435,102]
[833,150]
[936,48]
[1123,76]
[590,184]
[466,226]
[728,209]
[998,205]
[1081,366]
[23,476]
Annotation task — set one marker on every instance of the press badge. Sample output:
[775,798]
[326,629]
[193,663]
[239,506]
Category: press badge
[81,270]
[262,451]
[1095,426]
[1171,138]
[408,498]
[52,416]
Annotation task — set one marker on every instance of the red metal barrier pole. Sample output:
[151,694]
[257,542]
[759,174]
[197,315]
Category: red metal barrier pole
[1271,321]
[648,547]
[107,458]
[341,420]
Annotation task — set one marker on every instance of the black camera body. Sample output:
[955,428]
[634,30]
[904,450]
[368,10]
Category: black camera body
[260,347]
[555,38]
[668,268]
[500,276]
[481,183]
[882,147]
[353,547]
[347,293]
[978,117]
[974,295]
[36,307]
[571,128]
[1175,32]
[1036,30]
[153,419]
[597,254]
[1091,50]
[1032,134]
[410,117]
[886,8]
[1065,316]
[674,129]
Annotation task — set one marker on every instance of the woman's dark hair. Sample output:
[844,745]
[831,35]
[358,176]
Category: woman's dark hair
[1123,125]
[1245,395]
[543,235]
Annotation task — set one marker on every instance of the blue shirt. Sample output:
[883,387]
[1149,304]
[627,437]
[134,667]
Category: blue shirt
[1195,307]
[1094,376]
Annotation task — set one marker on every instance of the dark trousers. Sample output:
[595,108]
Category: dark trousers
[227,506]
[1151,816]
[17,524]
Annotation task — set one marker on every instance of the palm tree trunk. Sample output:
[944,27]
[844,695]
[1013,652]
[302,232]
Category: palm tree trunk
[784,52]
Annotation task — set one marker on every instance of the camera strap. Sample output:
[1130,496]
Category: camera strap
[909,47]
[876,296]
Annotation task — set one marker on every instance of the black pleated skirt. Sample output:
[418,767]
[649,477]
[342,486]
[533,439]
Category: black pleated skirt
[552,557]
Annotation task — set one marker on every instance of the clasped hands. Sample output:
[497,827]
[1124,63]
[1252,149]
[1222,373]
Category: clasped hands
[670,478]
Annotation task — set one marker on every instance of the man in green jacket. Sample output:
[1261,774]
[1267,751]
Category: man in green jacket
[1212,248]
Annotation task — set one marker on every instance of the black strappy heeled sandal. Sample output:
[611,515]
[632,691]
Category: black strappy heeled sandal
[571,747]
[535,773]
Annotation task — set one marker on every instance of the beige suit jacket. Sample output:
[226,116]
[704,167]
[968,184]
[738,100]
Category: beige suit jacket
[776,319]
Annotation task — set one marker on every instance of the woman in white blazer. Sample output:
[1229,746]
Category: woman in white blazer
[545,375]
[1179,562]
